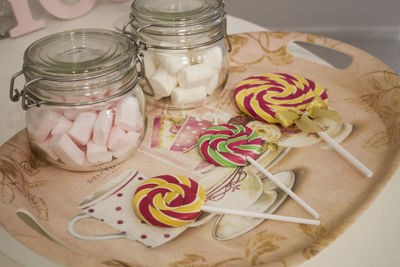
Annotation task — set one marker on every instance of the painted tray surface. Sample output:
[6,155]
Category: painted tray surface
[367,96]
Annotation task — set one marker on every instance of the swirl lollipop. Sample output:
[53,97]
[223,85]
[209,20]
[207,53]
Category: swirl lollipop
[233,145]
[290,99]
[229,145]
[262,96]
[173,201]
[168,201]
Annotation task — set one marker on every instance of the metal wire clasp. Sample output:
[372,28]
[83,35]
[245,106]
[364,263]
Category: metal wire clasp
[138,45]
[142,75]
[15,95]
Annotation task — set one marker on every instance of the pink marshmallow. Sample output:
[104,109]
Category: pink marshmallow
[97,153]
[45,146]
[133,139]
[102,127]
[127,114]
[118,139]
[63,146]
[81,130]
[71,114]
[63,125]
[41,123]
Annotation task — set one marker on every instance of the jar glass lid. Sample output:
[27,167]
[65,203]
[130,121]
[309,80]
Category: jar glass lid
[80,53]
[176,11]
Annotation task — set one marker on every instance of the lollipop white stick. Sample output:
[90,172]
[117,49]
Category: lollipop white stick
[259,215]
[284,188]
[355,162]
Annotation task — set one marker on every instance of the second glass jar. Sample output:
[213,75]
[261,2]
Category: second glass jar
[184,50]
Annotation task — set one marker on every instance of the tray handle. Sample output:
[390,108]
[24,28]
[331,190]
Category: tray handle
[82,216]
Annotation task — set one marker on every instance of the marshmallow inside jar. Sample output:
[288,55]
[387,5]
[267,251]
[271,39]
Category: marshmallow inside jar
[184,51]
[85,110]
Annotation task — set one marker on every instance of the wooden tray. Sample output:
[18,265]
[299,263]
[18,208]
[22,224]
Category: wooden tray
[366,95]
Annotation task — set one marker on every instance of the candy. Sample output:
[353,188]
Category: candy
[188,96]
[118,139]
[133,140]
[151,64]
[81,130]
[41,123]
[127,114]
[233,145]
[72,113]
[63,146]
[168,73]
[213,57]
[102,127]
[229,145]
[262,96]
[97,153]
[45,146]
[173,201]
[172,62]
[290,99]
[163,83]
[213,83]
[168,201]
[193,76]
[82,136]
[63,125]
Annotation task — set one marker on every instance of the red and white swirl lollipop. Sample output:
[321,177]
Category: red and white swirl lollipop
[175,200]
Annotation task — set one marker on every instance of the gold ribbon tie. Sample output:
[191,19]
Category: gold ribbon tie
[316,109]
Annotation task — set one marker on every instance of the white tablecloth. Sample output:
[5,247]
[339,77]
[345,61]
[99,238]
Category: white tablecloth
[373,240]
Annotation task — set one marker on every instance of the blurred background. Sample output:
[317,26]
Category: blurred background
[372,25]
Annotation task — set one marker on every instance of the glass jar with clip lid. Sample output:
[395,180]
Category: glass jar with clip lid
[183,43]
[84,107]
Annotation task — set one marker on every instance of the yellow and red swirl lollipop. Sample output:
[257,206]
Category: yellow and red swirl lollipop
[175,200]
[168,200]
[284,98]
[261,96]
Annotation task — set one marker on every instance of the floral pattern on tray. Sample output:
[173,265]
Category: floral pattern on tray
[367,86]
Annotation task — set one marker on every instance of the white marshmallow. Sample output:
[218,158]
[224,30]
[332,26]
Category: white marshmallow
[133,138]
[63,146]
[188,96]
[150,64]
[172,61]
[118,139]
[45,146]
[63,125]
[102,127]
[41,123]
[194,76]
[213,83]
[128,115]
[162,82]
[81,130]
[97,153]
[213,57]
